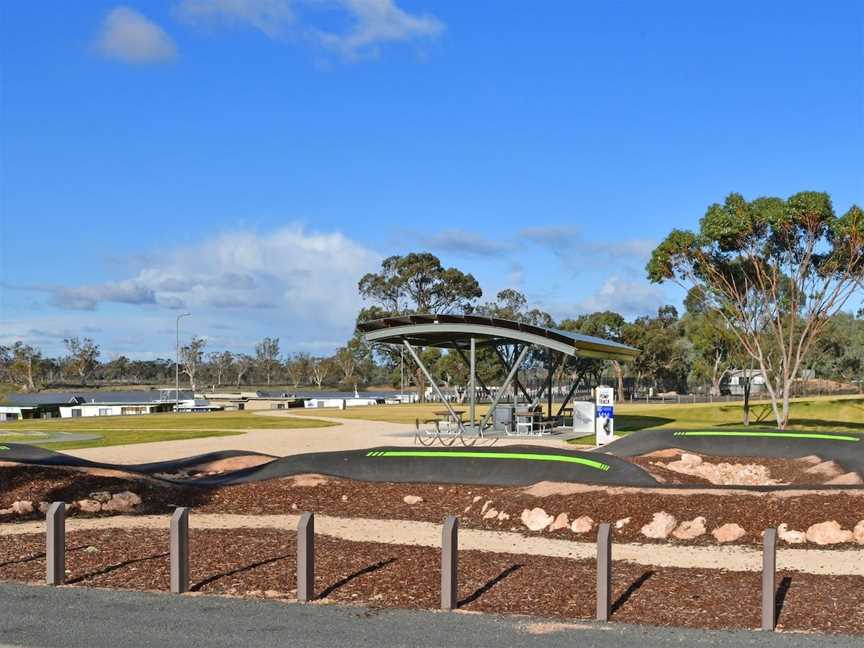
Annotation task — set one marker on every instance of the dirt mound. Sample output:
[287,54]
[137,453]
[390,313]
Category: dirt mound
[216,467]
[674,466]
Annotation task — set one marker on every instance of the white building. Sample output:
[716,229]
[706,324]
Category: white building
[738,379]
[92,408]
[198,405]
[341,403]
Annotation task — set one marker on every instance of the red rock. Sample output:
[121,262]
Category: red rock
[858,532]
[660,526]
[22,507]
[561,521]
[728,533]
[582,524]
[790,536]
[536,519]
[89,505]
[826,533]
[690,529]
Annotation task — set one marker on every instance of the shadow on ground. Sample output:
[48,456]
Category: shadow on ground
[634,422]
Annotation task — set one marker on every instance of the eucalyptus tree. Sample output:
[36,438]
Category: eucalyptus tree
[713,344]
[82,358]
[267,357]
[775,270]
[415,283]
[605,324]
[25,366]
[191,358]
[242,364]
[220,362]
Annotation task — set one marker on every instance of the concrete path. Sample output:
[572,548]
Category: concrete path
[280,442]
[46,617]
[428,534]
[349,434]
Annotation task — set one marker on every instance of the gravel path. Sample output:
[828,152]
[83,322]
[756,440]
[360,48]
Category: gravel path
[426,534]
[349,434]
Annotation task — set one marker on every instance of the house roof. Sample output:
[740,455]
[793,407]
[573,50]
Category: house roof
[456,331]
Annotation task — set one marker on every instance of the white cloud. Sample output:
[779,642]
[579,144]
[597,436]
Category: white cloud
[271,17]
[372,22]
[578,254]
[291,283]
[311,276]
[87,297]
[379,21]
[128,36]
[629,298]
[464,242]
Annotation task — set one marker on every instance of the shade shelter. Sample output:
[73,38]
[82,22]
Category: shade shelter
[465,333]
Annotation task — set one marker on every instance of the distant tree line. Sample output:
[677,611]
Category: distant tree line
[767,282]
[683,353]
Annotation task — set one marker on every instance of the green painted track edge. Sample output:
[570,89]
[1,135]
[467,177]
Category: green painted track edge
[466,454]
[784,435]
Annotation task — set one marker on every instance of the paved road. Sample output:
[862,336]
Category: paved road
[45,617]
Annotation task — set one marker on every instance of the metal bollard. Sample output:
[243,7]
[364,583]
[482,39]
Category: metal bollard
[449,563]
[55,544]
[604,572]
[179,548]
[306,558]
[769,579]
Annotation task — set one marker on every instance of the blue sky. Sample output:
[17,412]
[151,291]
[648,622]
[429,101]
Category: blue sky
[249,160]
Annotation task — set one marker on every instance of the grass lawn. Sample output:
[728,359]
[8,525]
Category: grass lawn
[122,430]
[823,414]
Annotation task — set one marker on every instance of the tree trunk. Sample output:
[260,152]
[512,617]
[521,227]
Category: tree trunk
[31,386]
[785,411]
[747,401]
[619,376]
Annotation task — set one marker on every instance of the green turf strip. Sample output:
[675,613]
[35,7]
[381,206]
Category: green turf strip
[784,435]
[489,455]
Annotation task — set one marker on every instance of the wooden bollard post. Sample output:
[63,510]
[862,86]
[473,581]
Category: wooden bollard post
[769,579]
[306,558]
[604,572]
[55,544]
[179,547]
[450,564]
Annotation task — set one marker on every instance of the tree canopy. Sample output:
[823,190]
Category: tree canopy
[775,270]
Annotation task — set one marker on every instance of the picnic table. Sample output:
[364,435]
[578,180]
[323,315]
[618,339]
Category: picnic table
[452,420]
[531,422]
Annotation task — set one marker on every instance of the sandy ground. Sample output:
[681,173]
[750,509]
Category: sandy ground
[349,434]
[427,534]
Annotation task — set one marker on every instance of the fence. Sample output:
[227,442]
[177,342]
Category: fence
[703,396]
[755,397]
[55,551]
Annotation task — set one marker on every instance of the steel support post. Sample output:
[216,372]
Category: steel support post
[472,382]
[55,544]
[306,558]
[434,385]
[504,386]
[179,550]
[450,564]
[769,579]
[604,572]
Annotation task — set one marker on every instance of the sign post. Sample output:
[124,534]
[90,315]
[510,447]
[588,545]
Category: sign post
[604,421]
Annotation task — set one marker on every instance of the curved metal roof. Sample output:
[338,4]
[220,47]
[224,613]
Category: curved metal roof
[456,331]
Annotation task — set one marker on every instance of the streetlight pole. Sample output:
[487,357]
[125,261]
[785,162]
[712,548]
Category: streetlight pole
[177,364]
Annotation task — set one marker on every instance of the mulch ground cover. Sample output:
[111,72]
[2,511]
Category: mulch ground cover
[754,512]
[261,563]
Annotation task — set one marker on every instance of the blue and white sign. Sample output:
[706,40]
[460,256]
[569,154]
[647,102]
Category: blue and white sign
[604,421]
